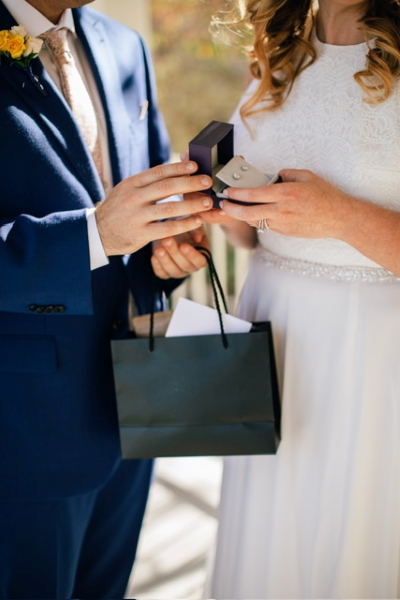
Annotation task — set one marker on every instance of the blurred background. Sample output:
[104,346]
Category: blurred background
[199,80]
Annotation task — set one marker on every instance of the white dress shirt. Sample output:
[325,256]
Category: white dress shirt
[35,24]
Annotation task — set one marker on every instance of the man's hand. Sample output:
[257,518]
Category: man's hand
[177,257]
[130,217]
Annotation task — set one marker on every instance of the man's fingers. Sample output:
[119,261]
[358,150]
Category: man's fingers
[162,189]
[199,236]
[217,216]
[185,256]
[196,259]
[163,171]
[167,265]
[158,268]
[179,263]
[132,215]
[171,210]
[172,261]
[163,229]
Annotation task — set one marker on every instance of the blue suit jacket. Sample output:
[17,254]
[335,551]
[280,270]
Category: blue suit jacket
[58,425]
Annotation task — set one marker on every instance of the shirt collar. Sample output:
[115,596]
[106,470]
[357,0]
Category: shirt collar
[33,21]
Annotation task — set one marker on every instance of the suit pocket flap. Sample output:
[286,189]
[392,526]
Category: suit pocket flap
[27,354]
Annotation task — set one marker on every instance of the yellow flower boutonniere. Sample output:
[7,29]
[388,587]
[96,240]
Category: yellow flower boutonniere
[18,46]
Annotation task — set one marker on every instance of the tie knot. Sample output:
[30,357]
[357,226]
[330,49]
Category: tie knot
[57,41]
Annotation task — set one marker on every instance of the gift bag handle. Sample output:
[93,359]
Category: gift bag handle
[218,292]
[215,281]
[216,287]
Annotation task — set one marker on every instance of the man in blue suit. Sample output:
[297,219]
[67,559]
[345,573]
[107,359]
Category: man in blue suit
[70,254]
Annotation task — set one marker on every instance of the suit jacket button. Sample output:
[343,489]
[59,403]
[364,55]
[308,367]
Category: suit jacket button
[49,309]
[32,307]
[59,308]
[40,309]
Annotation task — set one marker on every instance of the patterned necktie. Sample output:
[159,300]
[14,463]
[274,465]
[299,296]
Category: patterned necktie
[75,91]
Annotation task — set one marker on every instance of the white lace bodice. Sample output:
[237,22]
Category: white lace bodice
[325,126]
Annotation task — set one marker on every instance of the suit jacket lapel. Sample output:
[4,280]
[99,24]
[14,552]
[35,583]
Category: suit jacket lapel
[102,60]
[53,114]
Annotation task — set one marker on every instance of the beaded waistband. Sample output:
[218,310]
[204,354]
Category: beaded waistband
[320,270]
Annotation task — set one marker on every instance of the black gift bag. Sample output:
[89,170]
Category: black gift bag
[198,395]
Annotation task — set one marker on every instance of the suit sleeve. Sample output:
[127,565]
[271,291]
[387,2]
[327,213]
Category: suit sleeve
[44,253]
[44,261]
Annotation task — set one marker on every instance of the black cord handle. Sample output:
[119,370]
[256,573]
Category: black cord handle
[216,287]
[154,290]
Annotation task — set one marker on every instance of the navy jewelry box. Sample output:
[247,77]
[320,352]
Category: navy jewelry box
[213,150]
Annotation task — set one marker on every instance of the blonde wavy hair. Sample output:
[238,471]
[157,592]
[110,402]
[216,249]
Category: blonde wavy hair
[281,46]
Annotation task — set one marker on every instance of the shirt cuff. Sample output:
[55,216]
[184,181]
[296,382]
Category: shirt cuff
[98,257]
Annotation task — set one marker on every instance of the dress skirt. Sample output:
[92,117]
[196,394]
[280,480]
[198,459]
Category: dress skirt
[321,518]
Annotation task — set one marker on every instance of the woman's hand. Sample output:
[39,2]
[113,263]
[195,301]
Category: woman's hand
[303,205]
[177,256]
[307,206]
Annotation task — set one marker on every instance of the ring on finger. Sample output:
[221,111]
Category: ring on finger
[262,225]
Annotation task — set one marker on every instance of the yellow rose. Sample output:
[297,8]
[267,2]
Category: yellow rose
[15,46]
[4,39]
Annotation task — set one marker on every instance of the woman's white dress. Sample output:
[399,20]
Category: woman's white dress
[321,519]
